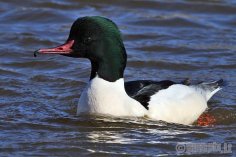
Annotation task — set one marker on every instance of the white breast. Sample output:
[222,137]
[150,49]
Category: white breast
[103,97]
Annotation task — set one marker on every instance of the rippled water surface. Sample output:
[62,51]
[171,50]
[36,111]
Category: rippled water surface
[164,39]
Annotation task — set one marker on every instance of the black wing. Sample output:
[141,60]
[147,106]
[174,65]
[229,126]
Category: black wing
[142,90]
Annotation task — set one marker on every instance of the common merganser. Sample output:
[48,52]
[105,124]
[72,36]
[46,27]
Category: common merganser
[99,40]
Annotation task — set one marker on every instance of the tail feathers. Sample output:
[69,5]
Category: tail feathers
[208,89]
[213,85]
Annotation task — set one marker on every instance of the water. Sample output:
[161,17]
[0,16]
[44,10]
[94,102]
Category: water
[164,40]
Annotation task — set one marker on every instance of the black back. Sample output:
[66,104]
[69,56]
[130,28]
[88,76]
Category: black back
[142,90]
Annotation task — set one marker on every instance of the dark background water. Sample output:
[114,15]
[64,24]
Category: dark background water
[164,40]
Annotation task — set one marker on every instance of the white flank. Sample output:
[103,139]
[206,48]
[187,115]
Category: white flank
[177,104]
[110,98]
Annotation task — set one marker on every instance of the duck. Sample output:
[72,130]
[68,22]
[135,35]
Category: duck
[99,40]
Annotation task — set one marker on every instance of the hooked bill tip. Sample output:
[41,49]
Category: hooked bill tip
[36,53]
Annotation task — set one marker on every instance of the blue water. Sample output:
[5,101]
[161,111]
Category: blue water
[164,40]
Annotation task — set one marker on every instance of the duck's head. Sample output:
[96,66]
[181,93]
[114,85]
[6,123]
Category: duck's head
[99,40]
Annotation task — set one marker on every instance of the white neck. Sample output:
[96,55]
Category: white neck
[104,97]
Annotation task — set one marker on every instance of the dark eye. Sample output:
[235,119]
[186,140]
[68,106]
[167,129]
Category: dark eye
[88,40]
